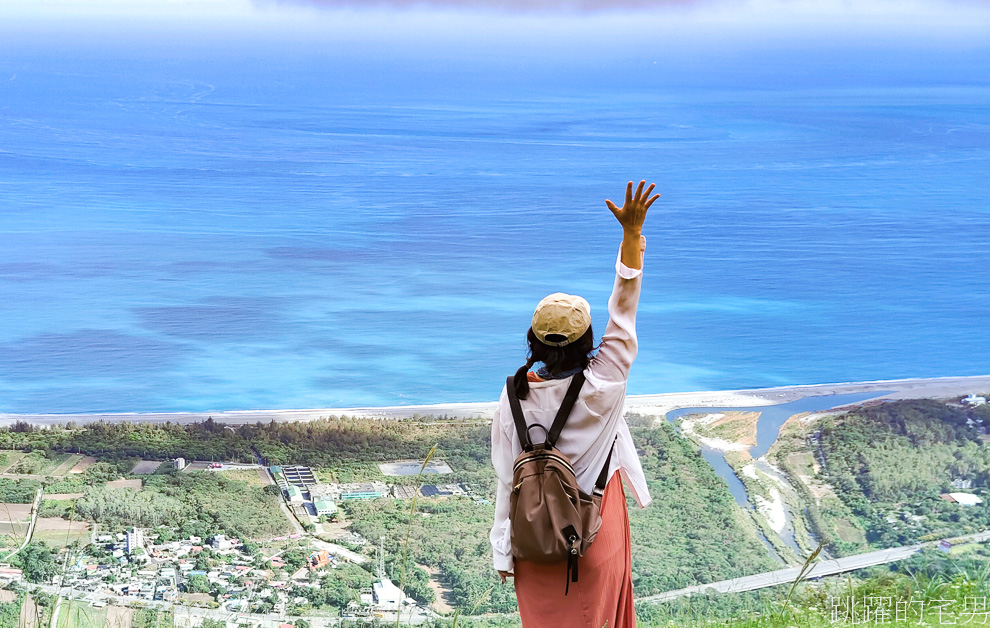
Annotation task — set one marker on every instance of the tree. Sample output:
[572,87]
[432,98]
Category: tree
[198,584]
[165,534]
[37,562]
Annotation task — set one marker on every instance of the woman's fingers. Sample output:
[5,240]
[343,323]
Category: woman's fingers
[640,201]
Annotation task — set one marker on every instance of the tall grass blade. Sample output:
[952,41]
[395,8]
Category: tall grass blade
[405,544]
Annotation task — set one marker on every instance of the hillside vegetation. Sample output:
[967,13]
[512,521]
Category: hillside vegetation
[881,470]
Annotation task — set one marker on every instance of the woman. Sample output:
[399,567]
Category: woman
[561,339]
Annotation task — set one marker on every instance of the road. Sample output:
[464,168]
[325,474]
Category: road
[818,569]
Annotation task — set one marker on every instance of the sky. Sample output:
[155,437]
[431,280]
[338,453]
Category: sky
[609,22]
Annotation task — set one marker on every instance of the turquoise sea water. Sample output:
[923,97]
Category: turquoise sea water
[228,227]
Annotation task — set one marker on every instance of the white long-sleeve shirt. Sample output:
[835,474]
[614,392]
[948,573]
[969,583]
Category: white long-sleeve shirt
[595,422]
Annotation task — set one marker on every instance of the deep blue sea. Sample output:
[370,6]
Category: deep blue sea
[192,224]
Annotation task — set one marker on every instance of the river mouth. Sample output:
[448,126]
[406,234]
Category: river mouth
[768,426]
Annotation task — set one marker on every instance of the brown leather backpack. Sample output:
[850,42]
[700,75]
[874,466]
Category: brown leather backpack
[552,518]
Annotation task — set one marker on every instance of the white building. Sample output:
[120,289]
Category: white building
[133,540]
[965,499]
[386,593]
[179,463]
[294,494]
[973,400]
[221,542]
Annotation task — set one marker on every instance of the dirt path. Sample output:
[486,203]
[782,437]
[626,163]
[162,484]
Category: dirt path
[265,478]
[443,601]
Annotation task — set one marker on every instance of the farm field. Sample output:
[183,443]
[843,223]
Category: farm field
[57,532]
[146,467]
[82,465]
[132,484]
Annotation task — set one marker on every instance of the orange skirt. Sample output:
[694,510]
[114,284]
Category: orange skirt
[603,594]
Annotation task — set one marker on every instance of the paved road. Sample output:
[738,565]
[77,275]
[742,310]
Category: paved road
[821,568]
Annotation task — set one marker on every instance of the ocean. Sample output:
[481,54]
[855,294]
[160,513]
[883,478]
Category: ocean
[196,224]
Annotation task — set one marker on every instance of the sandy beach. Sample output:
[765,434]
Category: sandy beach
[942,387]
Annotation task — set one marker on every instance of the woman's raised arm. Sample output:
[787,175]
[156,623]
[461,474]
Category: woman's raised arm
[631,216]
[619,346]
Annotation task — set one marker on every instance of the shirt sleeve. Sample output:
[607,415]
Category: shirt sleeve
[502,459]
[619,345]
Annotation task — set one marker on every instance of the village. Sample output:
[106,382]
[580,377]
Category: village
[259,579]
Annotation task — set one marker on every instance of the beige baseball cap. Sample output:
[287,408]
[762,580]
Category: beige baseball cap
[561,318]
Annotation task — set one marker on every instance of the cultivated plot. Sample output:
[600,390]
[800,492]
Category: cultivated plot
[412,467]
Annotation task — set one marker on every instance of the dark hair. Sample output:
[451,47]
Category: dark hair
[556,359]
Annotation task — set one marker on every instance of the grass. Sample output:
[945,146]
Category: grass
[62,538]
[34,463]
[77,614]
[349,472]
[248,476]
[954,595]
[8,458]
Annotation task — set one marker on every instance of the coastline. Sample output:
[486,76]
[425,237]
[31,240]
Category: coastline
[939,387]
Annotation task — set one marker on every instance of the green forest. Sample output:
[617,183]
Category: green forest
[889,463]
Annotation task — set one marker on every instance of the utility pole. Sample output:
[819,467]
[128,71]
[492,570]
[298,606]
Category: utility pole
[381,556]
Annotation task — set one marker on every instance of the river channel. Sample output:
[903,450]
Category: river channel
[768,426]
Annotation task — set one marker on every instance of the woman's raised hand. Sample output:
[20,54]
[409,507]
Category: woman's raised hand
[633,212]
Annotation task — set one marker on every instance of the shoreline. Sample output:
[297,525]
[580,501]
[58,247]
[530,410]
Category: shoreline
[938,387]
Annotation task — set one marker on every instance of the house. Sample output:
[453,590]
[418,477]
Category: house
[318,559]
[963,499]
[386,593]
[325,507]
[974,400]
[293,494]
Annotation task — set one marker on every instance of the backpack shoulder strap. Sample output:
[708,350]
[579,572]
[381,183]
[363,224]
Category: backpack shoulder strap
[565,408]
[517,415]
[603,474]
